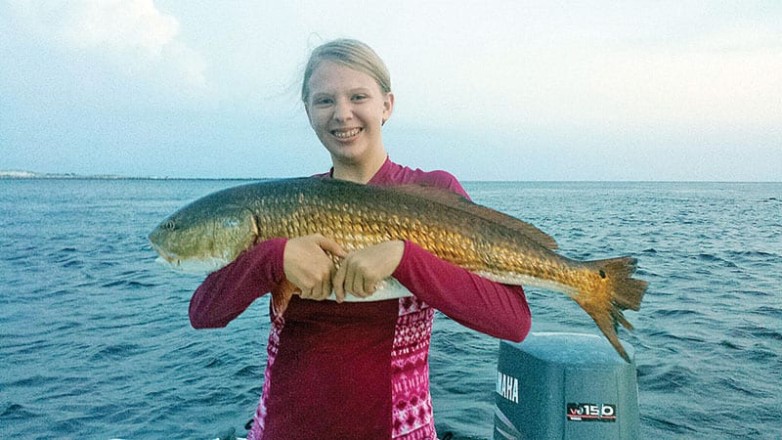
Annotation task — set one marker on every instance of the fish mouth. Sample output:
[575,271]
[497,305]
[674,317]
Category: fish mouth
[193,265]
[166,262]
[346,133]
[164,256]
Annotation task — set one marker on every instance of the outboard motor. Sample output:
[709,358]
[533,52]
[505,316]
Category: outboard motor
[565,386]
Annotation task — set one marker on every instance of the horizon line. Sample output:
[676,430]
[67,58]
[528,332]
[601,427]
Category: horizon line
[32,175]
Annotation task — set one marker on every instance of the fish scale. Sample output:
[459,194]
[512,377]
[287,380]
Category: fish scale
[221,225]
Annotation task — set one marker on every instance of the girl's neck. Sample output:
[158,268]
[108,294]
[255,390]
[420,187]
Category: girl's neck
[360,172]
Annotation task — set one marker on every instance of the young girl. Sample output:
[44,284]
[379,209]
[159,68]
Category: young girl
[354,370]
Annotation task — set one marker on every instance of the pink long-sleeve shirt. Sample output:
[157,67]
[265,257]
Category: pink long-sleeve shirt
[357,370]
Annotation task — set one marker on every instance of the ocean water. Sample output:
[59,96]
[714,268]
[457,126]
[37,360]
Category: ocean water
[95,341]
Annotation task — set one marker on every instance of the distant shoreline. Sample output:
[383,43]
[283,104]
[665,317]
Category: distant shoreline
[18,174]
[30,175]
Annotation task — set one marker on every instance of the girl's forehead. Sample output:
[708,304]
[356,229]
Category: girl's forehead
[330,76]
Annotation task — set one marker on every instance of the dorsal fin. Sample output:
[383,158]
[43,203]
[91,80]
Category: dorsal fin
[457,201]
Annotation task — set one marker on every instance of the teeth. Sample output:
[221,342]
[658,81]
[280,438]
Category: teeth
[346,134]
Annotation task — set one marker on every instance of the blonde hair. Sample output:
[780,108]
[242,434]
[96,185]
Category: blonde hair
[350,53]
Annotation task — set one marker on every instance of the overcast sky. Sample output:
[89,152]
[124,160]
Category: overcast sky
[489,90]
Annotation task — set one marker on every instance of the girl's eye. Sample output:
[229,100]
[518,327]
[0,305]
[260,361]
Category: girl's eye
[359,97]
[322,101]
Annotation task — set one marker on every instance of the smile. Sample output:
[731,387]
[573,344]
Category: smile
[346,134]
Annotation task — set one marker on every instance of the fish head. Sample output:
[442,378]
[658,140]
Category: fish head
[205,235]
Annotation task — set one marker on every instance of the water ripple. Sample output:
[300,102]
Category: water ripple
[98,343]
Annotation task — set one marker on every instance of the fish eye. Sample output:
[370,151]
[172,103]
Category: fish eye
[170,225]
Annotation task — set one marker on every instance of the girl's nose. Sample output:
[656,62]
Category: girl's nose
[342,110]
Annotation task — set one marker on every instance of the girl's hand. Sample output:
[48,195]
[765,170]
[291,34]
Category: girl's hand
[308,265]
[360,271]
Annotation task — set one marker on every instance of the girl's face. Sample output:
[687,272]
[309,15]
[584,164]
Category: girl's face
[346,108]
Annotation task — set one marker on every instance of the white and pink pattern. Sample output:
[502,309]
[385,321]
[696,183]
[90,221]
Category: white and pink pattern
[271,349]
[412,405]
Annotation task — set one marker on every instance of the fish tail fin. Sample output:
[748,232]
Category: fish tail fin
[281,297]
[613,291]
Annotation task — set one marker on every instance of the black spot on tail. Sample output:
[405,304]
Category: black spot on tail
[624,292]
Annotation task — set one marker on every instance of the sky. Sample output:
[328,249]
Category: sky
[488,90]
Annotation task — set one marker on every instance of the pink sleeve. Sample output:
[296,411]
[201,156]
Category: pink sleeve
[444,180]
[499,310]
[226,293]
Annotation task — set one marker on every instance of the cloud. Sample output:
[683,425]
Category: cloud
[108,44]
[129,26]
[626,79]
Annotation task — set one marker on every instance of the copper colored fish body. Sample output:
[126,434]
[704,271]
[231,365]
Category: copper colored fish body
[221,225]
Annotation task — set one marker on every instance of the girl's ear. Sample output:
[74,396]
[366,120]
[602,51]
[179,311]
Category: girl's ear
[388,106]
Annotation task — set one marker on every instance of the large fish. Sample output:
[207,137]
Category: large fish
[218,227]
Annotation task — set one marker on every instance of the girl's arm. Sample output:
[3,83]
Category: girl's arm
[227,292]
[499,310]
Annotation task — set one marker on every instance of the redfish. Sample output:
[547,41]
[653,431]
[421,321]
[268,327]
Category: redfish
[218,227]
